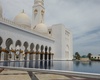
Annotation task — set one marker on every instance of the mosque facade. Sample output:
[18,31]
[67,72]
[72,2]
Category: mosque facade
[23,39]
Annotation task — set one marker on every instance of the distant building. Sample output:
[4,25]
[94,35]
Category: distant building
[96,56]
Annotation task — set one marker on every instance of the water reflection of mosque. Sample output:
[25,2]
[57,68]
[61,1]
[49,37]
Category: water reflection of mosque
[29,64]
[41,64]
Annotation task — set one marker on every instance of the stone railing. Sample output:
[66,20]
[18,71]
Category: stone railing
[12,23]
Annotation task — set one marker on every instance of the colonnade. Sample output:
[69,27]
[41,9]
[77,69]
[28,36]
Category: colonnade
[39,53]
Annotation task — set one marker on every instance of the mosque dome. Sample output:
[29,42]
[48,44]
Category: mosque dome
[1,10]
[22,19]
[42,28]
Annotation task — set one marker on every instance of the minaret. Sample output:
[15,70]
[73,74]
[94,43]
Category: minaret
[1,11]
[38,13]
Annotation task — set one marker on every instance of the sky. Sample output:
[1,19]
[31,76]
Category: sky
[82,17]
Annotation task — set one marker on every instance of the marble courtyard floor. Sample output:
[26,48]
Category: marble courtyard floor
[22,75]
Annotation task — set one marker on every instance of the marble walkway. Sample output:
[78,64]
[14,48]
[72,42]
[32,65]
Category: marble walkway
[21,75]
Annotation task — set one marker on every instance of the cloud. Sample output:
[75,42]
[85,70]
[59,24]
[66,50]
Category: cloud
[82,17]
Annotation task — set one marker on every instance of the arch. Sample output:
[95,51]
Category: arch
[31,46]
[18,43]
[9,41]
[25,45]
[1,40]
[18,46]
[42,47]
[49,49]
[31,50]
[37,47]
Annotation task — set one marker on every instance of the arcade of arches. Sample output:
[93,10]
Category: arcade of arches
[9,53]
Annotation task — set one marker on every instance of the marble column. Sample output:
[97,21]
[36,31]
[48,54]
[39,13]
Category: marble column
[20,55]
[34,54]
[2,56]
[28,54]
[37,55]
[17,57]
[25,56]
[12,56]
[31,56]
[9,56]
[6,54]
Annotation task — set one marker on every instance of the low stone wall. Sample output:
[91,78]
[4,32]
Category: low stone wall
[84,59]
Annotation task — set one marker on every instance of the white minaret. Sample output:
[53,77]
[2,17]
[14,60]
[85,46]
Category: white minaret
[1,11]
[38,13]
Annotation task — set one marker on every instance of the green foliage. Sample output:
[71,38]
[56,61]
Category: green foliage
[89,55]
[84,56]
[77,55]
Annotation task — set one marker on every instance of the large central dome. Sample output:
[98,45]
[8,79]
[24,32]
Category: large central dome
[22,19]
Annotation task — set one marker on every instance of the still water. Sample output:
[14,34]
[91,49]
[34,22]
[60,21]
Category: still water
[89,67]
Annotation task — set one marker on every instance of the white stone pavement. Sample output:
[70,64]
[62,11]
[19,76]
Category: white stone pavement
[22,75]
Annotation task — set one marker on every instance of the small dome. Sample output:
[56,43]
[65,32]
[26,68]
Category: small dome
[42,28]
[1,11]
[22,19]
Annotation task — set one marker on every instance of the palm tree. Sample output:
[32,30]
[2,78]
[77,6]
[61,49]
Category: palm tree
[77,55]
[89,55]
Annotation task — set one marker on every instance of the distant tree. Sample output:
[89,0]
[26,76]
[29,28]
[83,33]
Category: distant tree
[89,55]
[84,56]
[77,55]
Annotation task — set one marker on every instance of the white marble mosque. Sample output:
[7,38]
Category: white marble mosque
[30,39]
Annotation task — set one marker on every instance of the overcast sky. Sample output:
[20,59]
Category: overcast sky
[82,17]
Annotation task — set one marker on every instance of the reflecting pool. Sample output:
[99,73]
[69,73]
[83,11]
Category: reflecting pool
[89,67]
